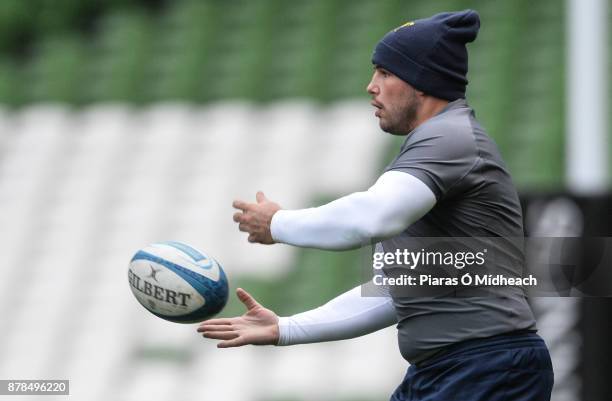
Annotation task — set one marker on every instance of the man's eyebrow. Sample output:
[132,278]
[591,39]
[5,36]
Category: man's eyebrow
[380,68]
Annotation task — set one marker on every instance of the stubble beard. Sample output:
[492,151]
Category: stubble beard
[402,120]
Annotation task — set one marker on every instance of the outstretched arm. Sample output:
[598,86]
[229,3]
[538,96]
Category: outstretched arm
[394,202]
[346,316]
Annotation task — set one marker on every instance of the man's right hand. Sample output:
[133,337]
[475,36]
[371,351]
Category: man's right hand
[256,218]
[258,326]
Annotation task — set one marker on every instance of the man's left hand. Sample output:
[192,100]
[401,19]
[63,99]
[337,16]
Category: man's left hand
[255,218]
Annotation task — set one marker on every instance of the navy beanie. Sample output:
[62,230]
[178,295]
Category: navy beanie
[430,53]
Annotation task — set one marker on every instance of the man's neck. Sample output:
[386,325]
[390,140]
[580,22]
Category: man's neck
[429,108]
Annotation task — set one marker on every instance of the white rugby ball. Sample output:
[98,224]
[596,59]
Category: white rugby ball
[178,283]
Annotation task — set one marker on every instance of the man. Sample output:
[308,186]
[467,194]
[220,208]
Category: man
[448,181]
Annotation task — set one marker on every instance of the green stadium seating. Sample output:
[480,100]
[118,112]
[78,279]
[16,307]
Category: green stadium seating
[141,52]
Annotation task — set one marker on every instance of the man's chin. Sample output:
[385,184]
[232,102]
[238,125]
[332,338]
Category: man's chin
[383,126]
[390,129]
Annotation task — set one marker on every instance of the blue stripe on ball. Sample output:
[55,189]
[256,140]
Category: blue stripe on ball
[193,253]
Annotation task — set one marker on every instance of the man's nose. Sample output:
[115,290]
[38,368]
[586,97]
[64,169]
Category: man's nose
[372,88]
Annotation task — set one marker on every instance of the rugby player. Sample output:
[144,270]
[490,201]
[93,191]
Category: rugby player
[448,180]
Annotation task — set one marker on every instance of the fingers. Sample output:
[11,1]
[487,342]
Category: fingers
[255,218]
[242,205]
[237,342]
[247,299]
[243,221]
[213,327]
[221,335]
[218,321]
[260,197]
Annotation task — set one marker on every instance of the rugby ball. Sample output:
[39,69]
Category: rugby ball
[178,283]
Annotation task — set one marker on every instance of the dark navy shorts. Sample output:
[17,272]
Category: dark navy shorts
[511,367]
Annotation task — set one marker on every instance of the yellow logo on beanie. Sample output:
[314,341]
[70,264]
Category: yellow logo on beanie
[409,23]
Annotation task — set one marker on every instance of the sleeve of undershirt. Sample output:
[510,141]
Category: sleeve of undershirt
[346,316]
[394,202]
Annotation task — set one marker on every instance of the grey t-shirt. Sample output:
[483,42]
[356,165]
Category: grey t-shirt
[452,154]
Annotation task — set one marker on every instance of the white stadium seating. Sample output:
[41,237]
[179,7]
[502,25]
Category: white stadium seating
[82,190]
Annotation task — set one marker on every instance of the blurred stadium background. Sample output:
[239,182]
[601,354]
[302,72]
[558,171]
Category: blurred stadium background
[124,122]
